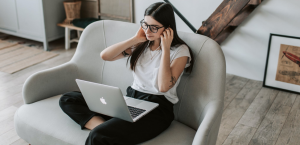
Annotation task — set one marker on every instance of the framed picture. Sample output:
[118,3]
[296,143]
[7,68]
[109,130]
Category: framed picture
[283,63]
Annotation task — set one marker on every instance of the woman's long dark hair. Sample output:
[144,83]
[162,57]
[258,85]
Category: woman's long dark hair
[164,14]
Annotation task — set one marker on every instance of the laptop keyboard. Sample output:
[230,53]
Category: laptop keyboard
[134,112]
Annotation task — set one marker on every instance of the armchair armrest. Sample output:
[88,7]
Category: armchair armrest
[50,82]
[207,133]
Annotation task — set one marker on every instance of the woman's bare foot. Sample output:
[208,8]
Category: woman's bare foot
[94,121]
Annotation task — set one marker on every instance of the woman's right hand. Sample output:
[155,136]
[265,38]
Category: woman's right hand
[140,35]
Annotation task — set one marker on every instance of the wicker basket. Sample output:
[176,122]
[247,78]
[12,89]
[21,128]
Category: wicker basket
[72,11]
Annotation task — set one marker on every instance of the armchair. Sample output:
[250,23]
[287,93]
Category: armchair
[198,113]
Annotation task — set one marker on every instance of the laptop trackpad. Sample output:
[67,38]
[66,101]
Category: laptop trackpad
[133,102]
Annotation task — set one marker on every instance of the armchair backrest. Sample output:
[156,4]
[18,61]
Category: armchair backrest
[195,90]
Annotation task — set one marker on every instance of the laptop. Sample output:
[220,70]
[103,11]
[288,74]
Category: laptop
[110,101]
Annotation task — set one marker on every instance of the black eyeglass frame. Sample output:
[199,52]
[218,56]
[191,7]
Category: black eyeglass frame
[150,27]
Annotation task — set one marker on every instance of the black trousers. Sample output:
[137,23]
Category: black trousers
[115,131]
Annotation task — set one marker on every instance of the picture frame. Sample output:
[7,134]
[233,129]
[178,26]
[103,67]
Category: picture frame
[282,69]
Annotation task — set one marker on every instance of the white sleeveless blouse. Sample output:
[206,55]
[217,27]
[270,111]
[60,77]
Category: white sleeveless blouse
[146,71]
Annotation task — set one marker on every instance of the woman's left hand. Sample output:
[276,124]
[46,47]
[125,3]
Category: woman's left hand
[166,39]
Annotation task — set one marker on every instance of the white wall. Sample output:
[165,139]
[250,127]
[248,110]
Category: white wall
[246,48]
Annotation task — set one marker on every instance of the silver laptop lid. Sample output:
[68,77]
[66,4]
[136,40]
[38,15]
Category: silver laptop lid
[104,99]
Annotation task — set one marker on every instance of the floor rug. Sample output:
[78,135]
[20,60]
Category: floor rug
[15,57]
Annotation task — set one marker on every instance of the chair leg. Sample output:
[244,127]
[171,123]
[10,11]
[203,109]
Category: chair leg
[78,34]
[67,38]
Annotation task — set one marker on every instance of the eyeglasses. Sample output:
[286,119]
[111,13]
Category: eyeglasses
[153,28]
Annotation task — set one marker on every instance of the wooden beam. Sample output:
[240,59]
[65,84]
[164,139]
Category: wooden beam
[224,34]
[242,15]
[255,2]
[221,17]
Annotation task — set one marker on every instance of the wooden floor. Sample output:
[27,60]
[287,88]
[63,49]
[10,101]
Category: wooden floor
[253,115]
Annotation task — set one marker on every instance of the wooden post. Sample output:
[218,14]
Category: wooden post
[223,21]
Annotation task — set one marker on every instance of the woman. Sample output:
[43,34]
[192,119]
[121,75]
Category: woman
[158,58]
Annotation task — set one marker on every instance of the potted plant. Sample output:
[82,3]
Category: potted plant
[72,8]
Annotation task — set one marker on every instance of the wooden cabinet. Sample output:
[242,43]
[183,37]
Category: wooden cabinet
[32,19]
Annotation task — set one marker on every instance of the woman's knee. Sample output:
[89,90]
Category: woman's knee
[69,97]
[64,97]
[62,100]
